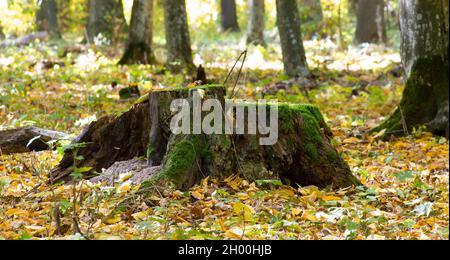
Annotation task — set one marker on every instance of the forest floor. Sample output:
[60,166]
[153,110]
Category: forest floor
[406,193]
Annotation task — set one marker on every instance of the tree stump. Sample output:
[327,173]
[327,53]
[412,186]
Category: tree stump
[303,154]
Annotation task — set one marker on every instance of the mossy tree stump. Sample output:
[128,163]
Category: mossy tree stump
[303,154]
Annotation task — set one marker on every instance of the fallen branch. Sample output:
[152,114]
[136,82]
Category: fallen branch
[25,40]
[27,139]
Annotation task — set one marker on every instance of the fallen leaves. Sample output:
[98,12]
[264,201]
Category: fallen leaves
[406,194]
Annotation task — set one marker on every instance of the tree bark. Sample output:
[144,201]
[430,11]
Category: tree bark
[229,15]
[370,25]
[178,43]
[46,17]
[106,17]
[139,47]
[256,23]
[2,34]
[303,154]
[424,49]
[288,21]
[27,139]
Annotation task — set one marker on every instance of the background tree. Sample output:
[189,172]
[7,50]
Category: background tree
[106,17]
[139,46]
[229,15]
[2,34]
[288,22]
[311,16]
[370,25]
[256,23]
[424,50]
[178,43]
[46,17]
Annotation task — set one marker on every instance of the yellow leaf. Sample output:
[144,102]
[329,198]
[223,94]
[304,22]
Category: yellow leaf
[140,215]
[308,215]
[125,177]
[235,233]
[17,212]
[242,209]
[330,198]
[113,220]
[296,211]
[196,194]
[124,187]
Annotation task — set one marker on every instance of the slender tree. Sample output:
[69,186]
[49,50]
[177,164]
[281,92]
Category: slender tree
[139,46]
[288,21]
[370,25]
[46,17]
[178,43]
[106,17]
[229,15]
[2,34]
[424,50]
[255,33]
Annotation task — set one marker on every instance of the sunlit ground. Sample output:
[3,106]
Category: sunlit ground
[406,194]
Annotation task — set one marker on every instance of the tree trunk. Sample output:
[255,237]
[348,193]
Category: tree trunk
[139,46]
[370,25]
[303,154]
[27,139]
[179,53]
[106,17]
[311,16]
[229,15]
[424,49]
[46,17]
[2,34]
[288,22]
[256,23]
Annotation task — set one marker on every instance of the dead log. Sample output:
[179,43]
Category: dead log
[303,154]
[25,40]
[27,139]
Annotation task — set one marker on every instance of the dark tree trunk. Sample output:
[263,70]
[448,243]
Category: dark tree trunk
[424,30]
[47,17]
[288,21]
[303,154]
[256,23]
[139,47]
[27,139]
[2,34]
[106,17]
[370,25]
[179,53]
[229,15]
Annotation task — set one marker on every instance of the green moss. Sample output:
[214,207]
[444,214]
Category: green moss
[425,89]
[150,151]
[311,151]
[332,155]
[180,161]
